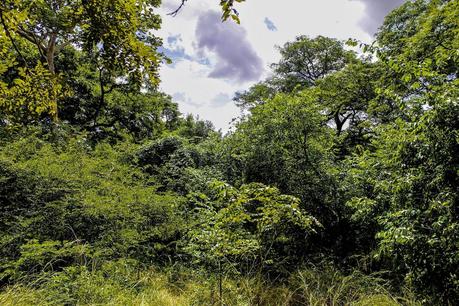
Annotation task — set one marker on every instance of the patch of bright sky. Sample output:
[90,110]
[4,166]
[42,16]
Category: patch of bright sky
[187,79]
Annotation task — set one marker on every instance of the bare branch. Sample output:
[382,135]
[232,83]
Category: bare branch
[174,13]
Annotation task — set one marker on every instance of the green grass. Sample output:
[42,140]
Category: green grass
[121,286]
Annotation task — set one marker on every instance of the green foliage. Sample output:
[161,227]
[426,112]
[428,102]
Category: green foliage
[307,60]
[255,224]
[411,206]
[229,11]
[31,94]
[123,49]
[35,92]
[418,44]
[195,130]
[180,164]
[303,63]
[60,200]
[418,228]
[336,159]
[345,97]
[255,95]
[285,143]
[126,44]
[109,108]
[407,181]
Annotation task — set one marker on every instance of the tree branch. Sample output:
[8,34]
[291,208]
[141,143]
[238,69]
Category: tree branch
[62,46]
[30,36]
[7,32]
[174,13]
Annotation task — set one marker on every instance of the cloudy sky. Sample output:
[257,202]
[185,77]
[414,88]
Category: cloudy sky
[212,60]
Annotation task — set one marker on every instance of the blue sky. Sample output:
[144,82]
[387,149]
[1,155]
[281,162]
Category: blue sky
[212,60]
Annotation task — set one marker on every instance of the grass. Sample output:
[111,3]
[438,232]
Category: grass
[312,287]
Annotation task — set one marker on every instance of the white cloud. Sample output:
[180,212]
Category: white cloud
[190,76]
[196,93]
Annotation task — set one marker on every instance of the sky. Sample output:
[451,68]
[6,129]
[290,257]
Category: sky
[213,60]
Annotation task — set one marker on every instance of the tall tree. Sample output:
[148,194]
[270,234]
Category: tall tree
[405,186]
[117,32]
[115,35]
[303,62]
[306,60]
[286,143]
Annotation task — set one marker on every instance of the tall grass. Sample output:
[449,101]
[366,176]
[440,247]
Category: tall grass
[311,286]
[329,286]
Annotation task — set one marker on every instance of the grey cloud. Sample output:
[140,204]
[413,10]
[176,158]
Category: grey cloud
[174,49]
[173,39]
[236,58]
[270,25]
[375,11]
[183,98]
[179,96]
[220,100]
[175,55]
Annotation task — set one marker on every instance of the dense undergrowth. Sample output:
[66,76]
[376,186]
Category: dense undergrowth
[121,283]
[84,225]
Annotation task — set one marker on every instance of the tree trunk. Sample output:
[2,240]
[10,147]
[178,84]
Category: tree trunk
[50,53]
[339,124]
[220,282]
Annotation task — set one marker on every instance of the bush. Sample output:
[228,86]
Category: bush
[62,204]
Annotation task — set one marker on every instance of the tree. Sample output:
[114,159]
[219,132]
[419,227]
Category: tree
[306,60]
[404,186]
[417,43]
[26,90]
[31,94]
[254,224]
[303,62]
[123,49]
[227,6]
[405,195]
[287,144]
[349,100]
[257,94]
[51,25]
